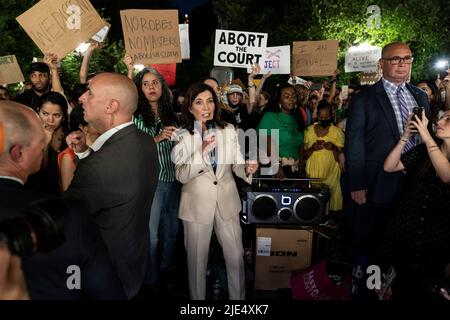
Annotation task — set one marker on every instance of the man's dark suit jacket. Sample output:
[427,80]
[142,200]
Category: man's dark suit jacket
[371,133]
[46,273]
[118,183]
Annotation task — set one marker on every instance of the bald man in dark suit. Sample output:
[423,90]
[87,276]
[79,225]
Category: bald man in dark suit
[117,175]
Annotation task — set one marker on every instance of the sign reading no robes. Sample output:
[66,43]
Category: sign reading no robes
[151,36]
[239,49]
[60,26]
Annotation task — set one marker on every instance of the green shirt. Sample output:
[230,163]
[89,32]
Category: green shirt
[290,139]
[164,148]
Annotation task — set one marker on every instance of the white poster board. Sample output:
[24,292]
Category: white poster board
[184,41]
[277,60]
[239,49]
[363,59]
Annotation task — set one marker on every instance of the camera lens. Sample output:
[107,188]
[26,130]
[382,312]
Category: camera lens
[37,228]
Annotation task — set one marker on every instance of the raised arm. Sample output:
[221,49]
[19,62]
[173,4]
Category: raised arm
[251,87]
[437,155]
[51,60]
[128,61]
[84,69]
[261,84]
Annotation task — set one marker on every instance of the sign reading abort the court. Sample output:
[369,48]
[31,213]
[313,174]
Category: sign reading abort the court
[151,36]
[239,49]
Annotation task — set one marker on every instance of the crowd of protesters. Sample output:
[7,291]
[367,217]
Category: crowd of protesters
[387,168]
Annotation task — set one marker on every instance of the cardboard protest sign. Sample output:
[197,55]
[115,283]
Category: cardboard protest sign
[277,60]
[363,59]
[239,49]
[10,70]
[151,36]
[184,41]
[60,26]
[315,58]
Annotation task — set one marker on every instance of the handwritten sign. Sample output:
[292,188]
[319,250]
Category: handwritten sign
[315,58]
[151,36]
[239,49]
[363,59]
[10,70]
[184,41]
[48,23]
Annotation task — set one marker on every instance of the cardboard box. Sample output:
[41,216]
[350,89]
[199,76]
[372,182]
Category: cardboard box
[279,252]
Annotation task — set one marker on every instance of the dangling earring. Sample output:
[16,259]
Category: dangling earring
[279,105]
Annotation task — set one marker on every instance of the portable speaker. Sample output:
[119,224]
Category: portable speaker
[289,207]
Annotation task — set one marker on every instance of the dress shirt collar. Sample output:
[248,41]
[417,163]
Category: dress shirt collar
[392,87]
[108,134]
[13,179]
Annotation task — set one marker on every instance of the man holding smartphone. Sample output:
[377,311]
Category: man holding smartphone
[376,119]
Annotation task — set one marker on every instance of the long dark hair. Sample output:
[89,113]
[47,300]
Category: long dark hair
[274,105]
[166,111]
[57,98]
[187,117]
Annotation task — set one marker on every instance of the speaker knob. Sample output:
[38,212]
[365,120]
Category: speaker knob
[285,214]
[264,207]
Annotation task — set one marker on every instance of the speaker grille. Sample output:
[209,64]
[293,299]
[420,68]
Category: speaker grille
[285,214]
[307,208]
[264,207]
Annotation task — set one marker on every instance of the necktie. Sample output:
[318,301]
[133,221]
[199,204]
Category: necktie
[404,112]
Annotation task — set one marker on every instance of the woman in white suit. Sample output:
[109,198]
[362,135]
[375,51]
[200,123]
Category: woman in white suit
[205,157]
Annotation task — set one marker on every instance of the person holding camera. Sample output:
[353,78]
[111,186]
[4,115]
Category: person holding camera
[417,238]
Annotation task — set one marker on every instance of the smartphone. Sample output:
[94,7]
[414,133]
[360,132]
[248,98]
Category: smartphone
[417,111]
[320,142]
[315,86]
[344,92]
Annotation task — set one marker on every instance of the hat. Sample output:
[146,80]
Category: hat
[232,88]
[38,66]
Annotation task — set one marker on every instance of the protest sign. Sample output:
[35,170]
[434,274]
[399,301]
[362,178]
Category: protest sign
[239,49]
[151,36]
[10,70]
[315,58]
[60,26]
[184,41]
[277,60]
[101,35]
[363,59]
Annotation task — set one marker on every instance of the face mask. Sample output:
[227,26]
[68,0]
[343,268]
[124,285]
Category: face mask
[325,123]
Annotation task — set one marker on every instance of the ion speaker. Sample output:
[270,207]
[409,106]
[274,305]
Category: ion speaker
[287,207]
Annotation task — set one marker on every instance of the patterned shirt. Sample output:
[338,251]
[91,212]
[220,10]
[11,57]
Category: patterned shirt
[164,148]
[391,90]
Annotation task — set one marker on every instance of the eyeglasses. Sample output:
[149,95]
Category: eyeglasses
[397,60]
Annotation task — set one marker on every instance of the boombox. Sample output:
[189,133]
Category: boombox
[307,205]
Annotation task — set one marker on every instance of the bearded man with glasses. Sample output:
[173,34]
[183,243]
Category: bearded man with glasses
[376,119]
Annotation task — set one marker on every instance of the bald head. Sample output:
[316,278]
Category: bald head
[109,101]
[119,87]
[20,124]
[393,45]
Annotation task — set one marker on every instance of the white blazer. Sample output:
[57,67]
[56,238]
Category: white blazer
[203,190]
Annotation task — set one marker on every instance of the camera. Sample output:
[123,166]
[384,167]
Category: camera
[39,227]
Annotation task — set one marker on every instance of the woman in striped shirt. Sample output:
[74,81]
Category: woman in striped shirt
[155,115]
